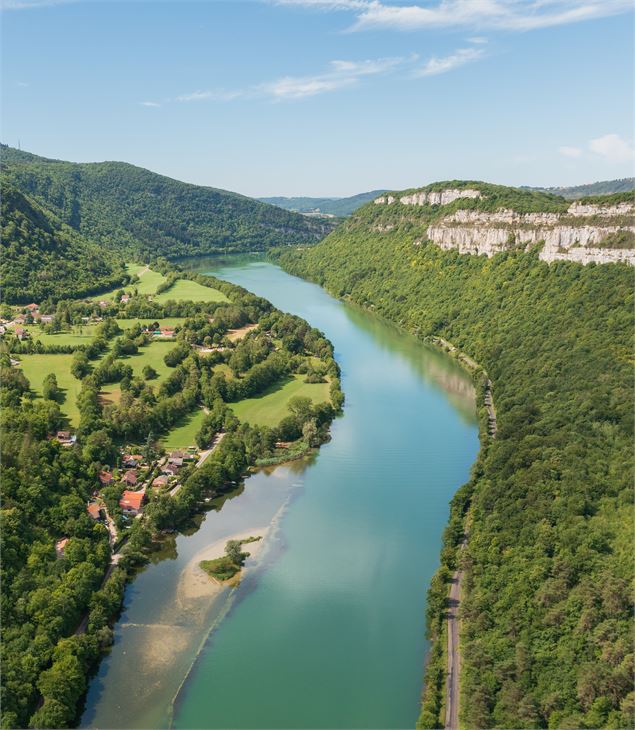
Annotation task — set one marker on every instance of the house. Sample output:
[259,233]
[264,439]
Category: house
[3,329]
[132,502]
[283,444]
[125,298]
[175,456]
[21,333]
[130,477]
[106,478]
[161,481]
[19,319]
[32,307]
[94,510]
[60,546]
[46,318]
[171,469]
[63,436]
[165,332]
[103,304]
[131,461]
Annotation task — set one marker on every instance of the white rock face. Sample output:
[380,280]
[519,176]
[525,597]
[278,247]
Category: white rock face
[574,243]
[606,211]
[440,197]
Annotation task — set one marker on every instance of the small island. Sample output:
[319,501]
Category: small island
[228,566]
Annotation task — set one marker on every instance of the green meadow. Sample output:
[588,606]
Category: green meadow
[127,324]
[153,355]
[37,367]
[271,407]
[184,434]
[78,335]
[184,289]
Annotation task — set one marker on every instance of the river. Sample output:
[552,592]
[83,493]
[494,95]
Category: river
[327,628]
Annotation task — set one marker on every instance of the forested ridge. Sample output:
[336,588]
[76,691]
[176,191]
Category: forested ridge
[132,210]
[547,618]
[41,256]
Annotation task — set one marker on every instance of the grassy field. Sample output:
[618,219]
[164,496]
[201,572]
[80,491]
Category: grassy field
[37,367]
[271,407]
[77,336]
[183,434]
[127,324]
[148,280]
[186,289]
[151,354]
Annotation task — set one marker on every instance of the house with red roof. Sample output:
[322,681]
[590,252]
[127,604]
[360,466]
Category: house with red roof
[94,510]
[106,478]
[130,477]
[132,502]
[160,481]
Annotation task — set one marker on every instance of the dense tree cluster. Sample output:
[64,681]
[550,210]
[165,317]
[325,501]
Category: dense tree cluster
[547,616]
[42,257]
[127,208]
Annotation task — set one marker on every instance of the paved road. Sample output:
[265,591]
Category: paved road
[454,659]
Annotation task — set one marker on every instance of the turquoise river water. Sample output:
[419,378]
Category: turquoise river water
[326,630]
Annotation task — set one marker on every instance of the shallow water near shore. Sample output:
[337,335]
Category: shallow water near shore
[326,630]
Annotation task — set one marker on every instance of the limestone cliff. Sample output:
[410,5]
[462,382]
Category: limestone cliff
[470,220]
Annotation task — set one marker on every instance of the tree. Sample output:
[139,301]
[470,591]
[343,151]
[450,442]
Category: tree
[149,450]
[234,552]
[80,367]
[50,388]
[149,373]
[310,433]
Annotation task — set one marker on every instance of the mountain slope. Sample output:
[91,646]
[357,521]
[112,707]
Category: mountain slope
[340,207]
[606,187]
[129,208]
[42,257]
[546,627]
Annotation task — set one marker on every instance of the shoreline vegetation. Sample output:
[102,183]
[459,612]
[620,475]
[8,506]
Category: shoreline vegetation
[224,346]
[548,501]
[227,568]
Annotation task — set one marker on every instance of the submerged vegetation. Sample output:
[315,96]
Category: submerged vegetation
[547,613]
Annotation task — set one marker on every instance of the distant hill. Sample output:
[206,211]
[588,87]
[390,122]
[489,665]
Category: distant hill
[132,210]
[339,207]
[41,256]
[606,187]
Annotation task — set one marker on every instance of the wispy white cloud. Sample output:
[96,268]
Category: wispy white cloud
[511,15]
[573,152]
[339,75]
[612,148]
[150,103]
[478,39]
[435,66]
[22,84]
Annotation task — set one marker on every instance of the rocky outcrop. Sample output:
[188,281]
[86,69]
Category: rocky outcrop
[604,211]
[576,243]
[433,197]
[479,232]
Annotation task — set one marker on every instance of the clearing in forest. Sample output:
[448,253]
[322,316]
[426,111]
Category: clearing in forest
[269,408]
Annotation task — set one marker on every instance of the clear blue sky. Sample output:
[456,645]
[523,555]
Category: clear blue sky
[304,97]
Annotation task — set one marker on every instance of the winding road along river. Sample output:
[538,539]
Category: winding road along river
[327,628]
